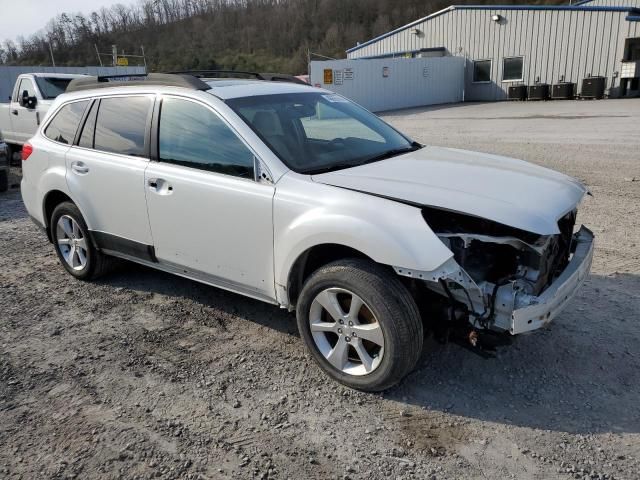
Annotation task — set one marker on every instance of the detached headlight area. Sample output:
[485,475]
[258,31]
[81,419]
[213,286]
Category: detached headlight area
[505,279]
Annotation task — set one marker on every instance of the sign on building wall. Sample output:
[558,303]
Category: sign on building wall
[123,62]
[337,77]
[348,73]
[385,72]
[328,76]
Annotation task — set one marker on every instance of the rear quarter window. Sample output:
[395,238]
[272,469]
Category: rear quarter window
[65,123]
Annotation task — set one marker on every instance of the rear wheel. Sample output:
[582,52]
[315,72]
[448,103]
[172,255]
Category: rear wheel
[360,324]
[73,244]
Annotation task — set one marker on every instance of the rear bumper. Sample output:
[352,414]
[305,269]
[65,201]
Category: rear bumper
[532,313]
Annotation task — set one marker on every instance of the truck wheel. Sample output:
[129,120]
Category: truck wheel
[4,180]
[360,324]
[73,244]
[13,149]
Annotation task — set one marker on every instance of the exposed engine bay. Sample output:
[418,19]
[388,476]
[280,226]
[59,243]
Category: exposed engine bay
[496,269]
[498,254]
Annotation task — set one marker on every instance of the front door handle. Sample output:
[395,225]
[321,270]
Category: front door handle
[79,167]
[15,112]
[160,186]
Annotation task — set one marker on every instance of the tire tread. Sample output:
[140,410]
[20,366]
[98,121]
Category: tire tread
[404,315]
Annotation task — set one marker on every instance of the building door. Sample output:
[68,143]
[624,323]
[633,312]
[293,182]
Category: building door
[631,86]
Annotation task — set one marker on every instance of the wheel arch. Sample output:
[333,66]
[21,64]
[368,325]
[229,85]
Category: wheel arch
[50,201]
[314,258]
[395,236]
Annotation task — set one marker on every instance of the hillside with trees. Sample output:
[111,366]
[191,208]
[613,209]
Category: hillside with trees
[259,35]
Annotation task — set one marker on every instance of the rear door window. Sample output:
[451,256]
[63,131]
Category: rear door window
[65,123]
[121,125]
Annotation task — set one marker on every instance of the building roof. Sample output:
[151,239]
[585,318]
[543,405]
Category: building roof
[634,15]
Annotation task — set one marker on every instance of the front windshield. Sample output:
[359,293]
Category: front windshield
[317,132]
[52,87]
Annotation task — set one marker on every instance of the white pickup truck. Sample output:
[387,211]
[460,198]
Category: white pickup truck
[32,96]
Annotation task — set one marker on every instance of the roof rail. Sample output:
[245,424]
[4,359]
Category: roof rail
[138,79]
[216,74]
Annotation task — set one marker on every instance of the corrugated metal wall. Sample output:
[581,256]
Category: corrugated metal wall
[556,44]
[409,82]
[8,75]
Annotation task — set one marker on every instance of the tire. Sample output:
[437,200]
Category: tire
[388,309]
[4,180]
[96,263]
[12,150]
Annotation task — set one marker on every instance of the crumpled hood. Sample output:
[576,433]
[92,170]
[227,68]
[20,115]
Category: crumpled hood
[502,189]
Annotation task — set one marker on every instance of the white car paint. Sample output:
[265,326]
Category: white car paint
[245,235]
[505,190]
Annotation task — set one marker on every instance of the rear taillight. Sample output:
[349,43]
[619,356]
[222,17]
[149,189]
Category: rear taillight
[27,150]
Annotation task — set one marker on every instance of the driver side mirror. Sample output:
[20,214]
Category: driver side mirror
[27,101]
[31,102]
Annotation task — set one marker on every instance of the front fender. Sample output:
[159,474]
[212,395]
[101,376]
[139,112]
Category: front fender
[307,214]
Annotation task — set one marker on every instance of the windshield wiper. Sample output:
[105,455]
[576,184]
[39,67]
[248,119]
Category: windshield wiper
[382,156]
[331,168]
[394,152]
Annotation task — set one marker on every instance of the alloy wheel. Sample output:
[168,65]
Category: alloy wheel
[71,242]
[346,332]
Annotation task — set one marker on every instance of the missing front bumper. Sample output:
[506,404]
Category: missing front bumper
[513,310]
[540,310]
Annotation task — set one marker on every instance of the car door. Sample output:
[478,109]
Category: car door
[105,173]
[24,120]
[209,217]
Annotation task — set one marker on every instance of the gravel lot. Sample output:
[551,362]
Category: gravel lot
[143,374]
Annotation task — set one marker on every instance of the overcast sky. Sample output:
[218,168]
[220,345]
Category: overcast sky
[24,17]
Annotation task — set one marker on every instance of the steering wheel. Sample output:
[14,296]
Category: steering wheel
[338,141]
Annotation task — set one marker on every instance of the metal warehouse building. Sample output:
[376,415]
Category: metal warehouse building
[507,46]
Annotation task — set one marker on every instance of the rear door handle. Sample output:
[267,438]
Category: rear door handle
[15,112]
[79,167]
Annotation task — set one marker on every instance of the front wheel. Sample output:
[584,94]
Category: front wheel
[360,324]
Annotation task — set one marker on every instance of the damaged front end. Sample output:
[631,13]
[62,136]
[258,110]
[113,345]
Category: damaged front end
[505,279]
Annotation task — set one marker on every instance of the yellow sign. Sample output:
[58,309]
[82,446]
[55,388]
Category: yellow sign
[328,76]
[123,62]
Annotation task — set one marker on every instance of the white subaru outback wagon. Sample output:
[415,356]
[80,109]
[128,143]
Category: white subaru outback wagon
[296,196]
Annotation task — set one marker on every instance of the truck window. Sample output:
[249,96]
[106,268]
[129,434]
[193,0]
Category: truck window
[64,125]
[51,87]
[121,125]
[25,84]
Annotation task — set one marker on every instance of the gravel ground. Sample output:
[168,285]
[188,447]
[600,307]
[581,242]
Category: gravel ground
[143,374]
